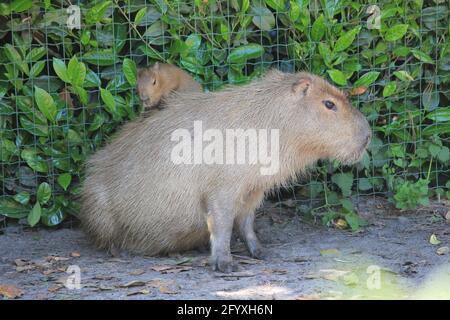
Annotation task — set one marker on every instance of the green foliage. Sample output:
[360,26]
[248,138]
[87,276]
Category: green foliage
[64,92]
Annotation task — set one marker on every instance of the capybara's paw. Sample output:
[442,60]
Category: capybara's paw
[256,250]
[258,253]
[223,264]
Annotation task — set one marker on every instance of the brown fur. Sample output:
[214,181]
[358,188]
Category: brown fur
[154,84]
[136,198]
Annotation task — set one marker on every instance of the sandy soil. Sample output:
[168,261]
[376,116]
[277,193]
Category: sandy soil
[392,258]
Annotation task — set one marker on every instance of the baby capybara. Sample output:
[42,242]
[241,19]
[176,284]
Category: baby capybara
[137,197]
[155,83]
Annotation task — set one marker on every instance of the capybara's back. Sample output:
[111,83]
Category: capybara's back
[138,194]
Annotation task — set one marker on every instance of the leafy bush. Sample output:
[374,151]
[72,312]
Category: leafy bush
[63,92]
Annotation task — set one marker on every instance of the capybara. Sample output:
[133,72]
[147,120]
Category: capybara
[137,197]
[155,83]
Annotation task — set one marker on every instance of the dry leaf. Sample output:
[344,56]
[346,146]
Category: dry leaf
[170,269]
[327,252]
[10,292]
[443,250]
[275,271]
[134,293]
[137,272]
[357,91]
[328,274]
[166,290]
[134,283]
[25,268]
[447,216]
[55,288]
[21,262]
[249,261]
[161,268]
[75,254]
[105,288]
[102,277]
[156,283]
[341,224]
[55,258]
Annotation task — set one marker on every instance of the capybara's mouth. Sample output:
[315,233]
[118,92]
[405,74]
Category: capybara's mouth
[353,157]
[150,105]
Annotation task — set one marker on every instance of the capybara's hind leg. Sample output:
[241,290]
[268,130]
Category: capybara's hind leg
[245,226]
[220,226]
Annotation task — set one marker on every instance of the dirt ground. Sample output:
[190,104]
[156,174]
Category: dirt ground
[392,258]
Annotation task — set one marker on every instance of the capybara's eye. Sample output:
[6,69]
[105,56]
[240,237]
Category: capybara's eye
[329,104]
[154,81]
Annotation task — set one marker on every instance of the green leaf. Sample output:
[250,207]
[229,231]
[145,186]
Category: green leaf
[35,215]
[337,76]
[444,155]
[344,41]
[91,80]
[12,54]
[35,54]
[318,28]
[37,68]
[442,128]
[52,217]
[263,18]
[76,71]
[20,5]
[60,68]
[355,221]
[12,209]
[101,57]
[277,5]
[422,56]
[367,79]
[34,128]
[34,161]
[243,53]
[396,32]
[344,181]
[439,115]
[109,101]
[403,75]
[434,240]
[96,13]
[44,193]
[45,103]
[73,137]
[130,71]
[139,15]
[430,99]
[64,180]
[389,89]
[22,197]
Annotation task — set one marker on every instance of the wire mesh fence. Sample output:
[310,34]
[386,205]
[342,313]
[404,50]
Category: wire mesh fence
[68,81]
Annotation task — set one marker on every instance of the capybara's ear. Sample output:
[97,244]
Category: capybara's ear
[156,66]
[302,85]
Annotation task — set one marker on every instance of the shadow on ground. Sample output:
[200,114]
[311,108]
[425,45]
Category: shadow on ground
[392,258]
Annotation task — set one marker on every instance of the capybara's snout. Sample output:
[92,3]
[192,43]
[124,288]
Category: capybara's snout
[364,133]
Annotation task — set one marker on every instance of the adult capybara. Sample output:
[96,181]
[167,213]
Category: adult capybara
[138,194]
[155,83]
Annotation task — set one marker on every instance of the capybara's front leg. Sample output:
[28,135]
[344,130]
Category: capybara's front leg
[220,225]
[245,225]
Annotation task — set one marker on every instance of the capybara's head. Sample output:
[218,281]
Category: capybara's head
[333,129]
[150,86]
